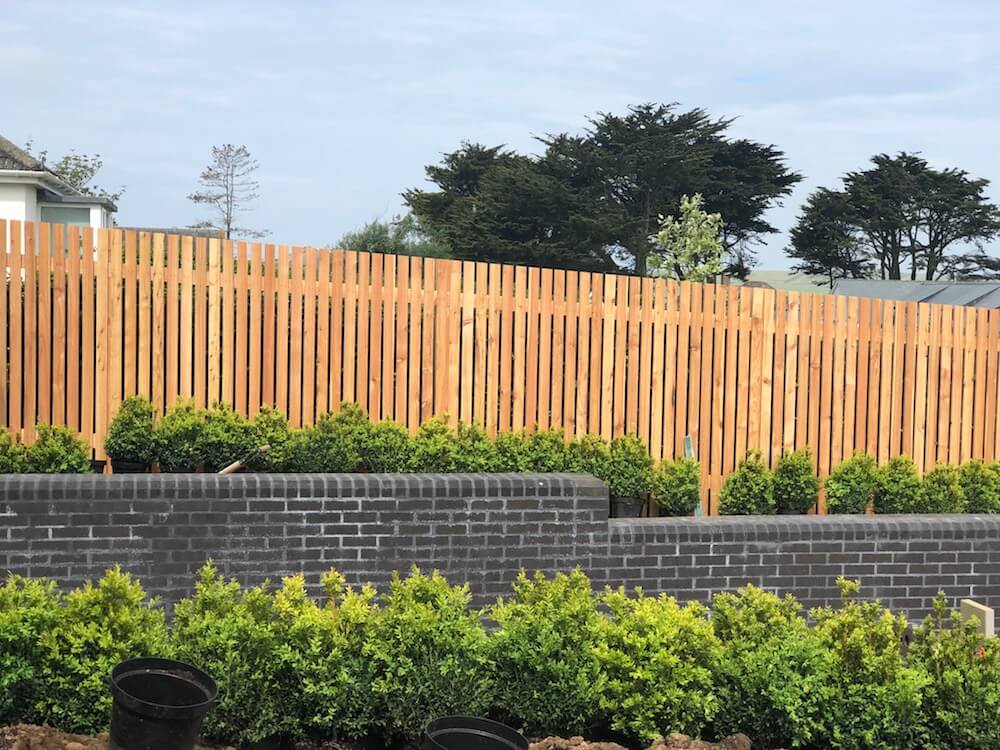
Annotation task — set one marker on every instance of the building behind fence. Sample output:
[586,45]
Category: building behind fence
[90,317]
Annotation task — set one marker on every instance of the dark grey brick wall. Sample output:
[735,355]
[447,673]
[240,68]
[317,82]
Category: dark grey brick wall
[476,528]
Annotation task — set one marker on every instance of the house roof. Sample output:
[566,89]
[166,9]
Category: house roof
[14,157]
[963,293]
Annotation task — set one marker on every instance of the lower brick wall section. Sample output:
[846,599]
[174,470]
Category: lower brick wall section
[477,528]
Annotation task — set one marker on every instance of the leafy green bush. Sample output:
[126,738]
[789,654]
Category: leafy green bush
[850,486]
[56,450]
[659,661]
[940,492]
[269,428]
[386,448]
[749,490]
[225,436]
[629,471]
[429,654]
[513,451]
[875,699]
[177,436]
[677,487]
[28,609]
[963,697]
[796,486]
[547,449]
[98,627]
[11,455]
[435,447]
[130,434]
[330,446]
[897,486]
[474,451]
[547,676]
[773,675]
[980,486]
[588,454]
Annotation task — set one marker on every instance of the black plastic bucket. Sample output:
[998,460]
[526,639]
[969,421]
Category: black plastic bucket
[471,733]
[158,704]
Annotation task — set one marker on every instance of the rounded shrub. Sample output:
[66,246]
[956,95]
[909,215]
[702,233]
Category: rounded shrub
[677,487]
[513,452]
[474,451]
[547,449]
[435,447]
[330,446]
[748,491]
[850,486]
[547,675]
[796,486]
[980,486]
[29,610]
[56,450]
[11,455]
[588,454]
[386,448]
[225,436]
[130,434]
[177,436]
[629,471]
[269,428]
[897,486]
[940,492]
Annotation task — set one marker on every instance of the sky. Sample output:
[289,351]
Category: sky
[344,104]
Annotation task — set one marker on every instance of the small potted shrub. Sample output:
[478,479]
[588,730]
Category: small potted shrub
[796,486]
[588,454]
[850,486]
[386,448]
[130,442]
[629,476]
[980,486]
[677,487]
[547,449]
[897,486]
[57,450]
[435,447]
[474,451]
[941,491]
[331,446]
[177,436]
[225,436]
[11,455]
[748,491]
[269,428]
[513,451]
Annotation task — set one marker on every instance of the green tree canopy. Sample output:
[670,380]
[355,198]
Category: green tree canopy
[689,247]
[899,219]
[79,171]
[401,235]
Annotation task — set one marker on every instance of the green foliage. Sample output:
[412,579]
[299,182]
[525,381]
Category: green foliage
[332,445]
[963,697]
[12,460]
[474,451]
[56,450]
[269,428]
[130,434]
[386,448]
[98,627]
[941,492]
[875,699]
[658,661]
[690,247]
[897,486]
[429,653]
[677,487]
[980,486]
[547,675]
[225,436]
[28,609]
[588,454]
[629,470]
[435,447]
[547,449]
[513,451]
[773,674]
[178,434]
[850,486]
[400,236]
[749,490]
[796,486]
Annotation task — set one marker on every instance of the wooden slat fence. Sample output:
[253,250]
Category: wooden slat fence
[89,317]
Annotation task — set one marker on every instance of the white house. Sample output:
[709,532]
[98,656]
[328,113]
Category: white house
[30,191]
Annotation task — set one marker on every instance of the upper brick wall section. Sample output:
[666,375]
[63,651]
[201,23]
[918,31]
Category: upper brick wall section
[477,528]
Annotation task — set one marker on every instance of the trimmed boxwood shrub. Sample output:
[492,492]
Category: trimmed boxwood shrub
[796,486]
[269,428]
[130,434]
[940,492]
[435,447]
[547,449]
[629,468]
[980,486]
[330,446]
[677,487]
[177,436]
[588,454]
[56,450]
[386,448]
[29,610]
[513,452]
[749,490]
[11,454]
[850,486]
[474,451]
[225,436]
[897,486]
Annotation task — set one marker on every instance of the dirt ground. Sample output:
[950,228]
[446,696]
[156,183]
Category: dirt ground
[30,737]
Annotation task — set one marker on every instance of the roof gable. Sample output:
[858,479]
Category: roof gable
[13,157]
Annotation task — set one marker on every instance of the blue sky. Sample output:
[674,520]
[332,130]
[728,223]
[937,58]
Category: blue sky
[345,103]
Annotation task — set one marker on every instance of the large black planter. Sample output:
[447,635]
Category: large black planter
[471,733]
[128,467]
[158,704]
[97,465]
[626,507]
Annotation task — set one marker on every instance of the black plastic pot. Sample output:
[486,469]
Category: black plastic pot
[158,704]
[471,733]
[128,467]
[626,507]
[97,465]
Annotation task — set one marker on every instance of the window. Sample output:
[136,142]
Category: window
[77,215]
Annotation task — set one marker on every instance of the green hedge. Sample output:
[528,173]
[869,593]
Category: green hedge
[551,658]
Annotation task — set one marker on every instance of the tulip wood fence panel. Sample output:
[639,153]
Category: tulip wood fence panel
[89,317]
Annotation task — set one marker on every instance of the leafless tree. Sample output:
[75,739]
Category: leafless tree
[228,186]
